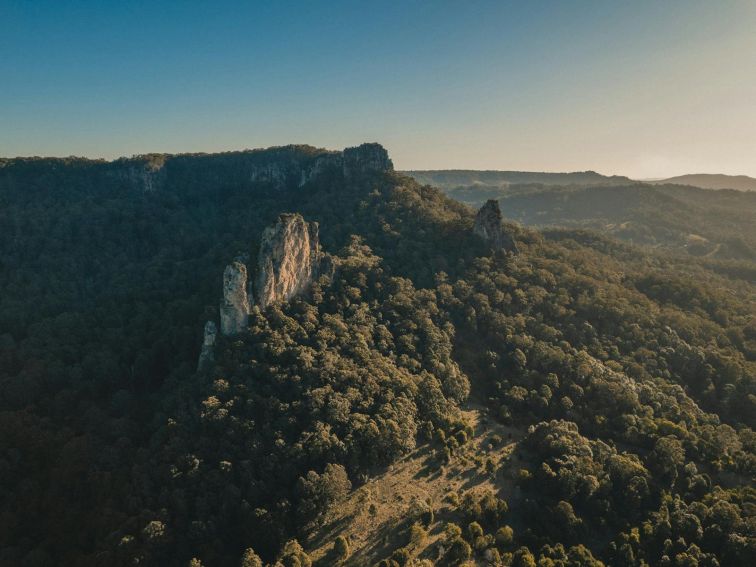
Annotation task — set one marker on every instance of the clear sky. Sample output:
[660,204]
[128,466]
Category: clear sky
[641,88]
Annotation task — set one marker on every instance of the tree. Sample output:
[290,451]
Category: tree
[251,559]
[341,548]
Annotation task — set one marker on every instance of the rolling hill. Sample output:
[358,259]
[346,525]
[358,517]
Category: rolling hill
[711,181]
[447,179]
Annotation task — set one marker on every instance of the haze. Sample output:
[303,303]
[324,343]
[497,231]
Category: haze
[644,89]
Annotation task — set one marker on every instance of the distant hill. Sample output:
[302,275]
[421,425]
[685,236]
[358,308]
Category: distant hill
[711,181]
[689,219]
[449,178]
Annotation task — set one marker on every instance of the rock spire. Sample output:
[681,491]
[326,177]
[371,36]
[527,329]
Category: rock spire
[289,259]
[488,225]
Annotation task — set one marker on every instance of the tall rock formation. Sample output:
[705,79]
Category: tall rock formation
[366,158]
[234,309]
[289,259]
[488,225]
[207,354]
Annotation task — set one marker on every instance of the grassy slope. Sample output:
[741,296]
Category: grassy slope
[418,477]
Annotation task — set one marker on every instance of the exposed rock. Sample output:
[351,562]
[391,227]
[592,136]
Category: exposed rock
[488,225]
[366,158]
[321,165]
[147,176]
[207,354]
[292,171]
[234,309]
[289,259]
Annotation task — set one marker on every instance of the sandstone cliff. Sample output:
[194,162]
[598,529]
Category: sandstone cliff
[488,225]
[234,309]
[366,158]
[207,354]
[288,261]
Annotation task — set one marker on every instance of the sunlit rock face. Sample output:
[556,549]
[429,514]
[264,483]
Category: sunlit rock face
[288,261]
[234,309]
[207,354]
[488,225]
[366,158]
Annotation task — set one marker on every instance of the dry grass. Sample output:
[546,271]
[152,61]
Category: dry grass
[376,517]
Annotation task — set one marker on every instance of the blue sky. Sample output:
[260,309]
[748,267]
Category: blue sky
[642,88]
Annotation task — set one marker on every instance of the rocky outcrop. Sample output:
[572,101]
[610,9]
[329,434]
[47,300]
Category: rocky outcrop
[207,354]
[366,158]
[144,176]
[488,225]
[288,261]
[320,166]
[234,309]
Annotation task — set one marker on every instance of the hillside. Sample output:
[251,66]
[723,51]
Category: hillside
[451,178]
[711,181]
[689,220]
[405,382]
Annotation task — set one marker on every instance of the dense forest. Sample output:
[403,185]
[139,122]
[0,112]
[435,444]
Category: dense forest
[596,398]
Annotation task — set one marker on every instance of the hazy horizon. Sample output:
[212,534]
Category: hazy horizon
[646,90]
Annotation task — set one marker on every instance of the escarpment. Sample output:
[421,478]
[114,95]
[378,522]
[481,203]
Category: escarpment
[289,259]
[488,225]
[278,168]
[234,309]
[366,158]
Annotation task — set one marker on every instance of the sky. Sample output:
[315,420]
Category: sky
[644,88]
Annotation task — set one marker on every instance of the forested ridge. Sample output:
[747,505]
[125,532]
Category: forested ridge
[628,372]
[713,224]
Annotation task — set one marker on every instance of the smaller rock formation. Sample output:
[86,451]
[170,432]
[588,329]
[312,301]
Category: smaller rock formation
[366,158]
[289,259]
[207,354]
[488,225]
[234,309]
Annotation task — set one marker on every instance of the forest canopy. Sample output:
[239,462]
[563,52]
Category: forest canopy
[627,375]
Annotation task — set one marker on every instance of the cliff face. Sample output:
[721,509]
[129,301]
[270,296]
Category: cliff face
[145,176]
[366,158]
[280,168]
[488,225]
[207,354]
[234,309]
[289,259]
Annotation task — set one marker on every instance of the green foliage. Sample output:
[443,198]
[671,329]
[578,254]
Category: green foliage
[251,559]
[632,374]
[341,548]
